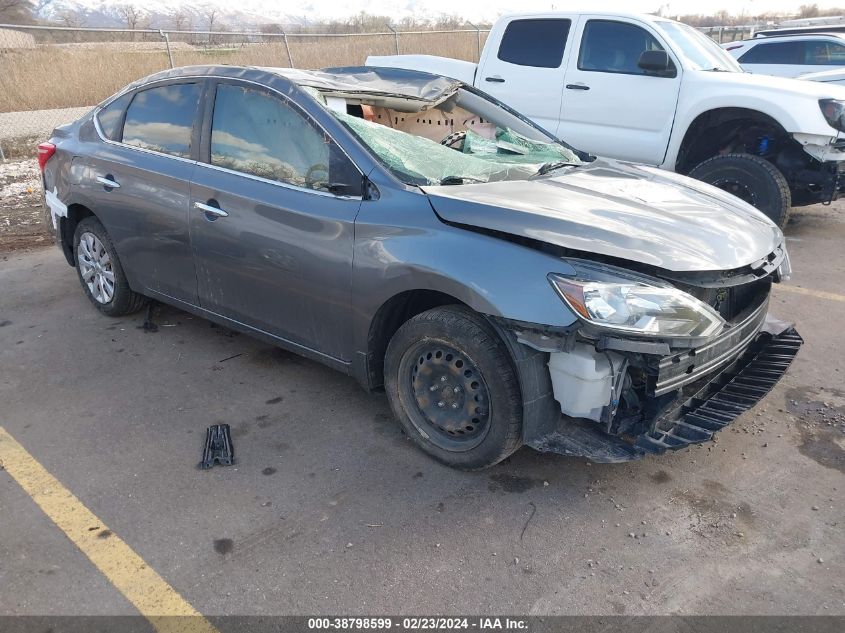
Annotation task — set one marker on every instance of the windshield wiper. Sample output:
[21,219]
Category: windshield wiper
[458,180]
[548,167]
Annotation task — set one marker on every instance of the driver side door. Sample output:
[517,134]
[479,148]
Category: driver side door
[611,107]
[272,243]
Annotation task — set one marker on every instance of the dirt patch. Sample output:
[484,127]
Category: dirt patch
[713,516]
[22,220]
[821,423]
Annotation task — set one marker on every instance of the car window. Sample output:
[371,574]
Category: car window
[820,53]
[538,43]
[775,53]
[615,47]
[109,117]
[257,133]
[162,118]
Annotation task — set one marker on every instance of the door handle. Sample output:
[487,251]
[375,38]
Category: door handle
[211,212]
[108,182]
[577,87]
[495,79]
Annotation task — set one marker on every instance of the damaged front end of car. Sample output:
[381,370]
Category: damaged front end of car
[653,364]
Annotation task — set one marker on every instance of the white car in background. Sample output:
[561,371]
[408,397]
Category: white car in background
[789,55]
[835,76]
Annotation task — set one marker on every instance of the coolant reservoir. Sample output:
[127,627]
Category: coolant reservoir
[582,381]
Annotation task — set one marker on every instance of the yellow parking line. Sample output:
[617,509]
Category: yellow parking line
[143,587]
[818,294]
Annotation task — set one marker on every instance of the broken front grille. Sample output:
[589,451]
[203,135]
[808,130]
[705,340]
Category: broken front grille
[674,371]
[727,396]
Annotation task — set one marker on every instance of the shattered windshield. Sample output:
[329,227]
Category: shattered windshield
[485,154]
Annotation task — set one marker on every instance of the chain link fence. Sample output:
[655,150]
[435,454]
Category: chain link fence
[52,75]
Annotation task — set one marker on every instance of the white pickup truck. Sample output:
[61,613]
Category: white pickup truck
[645,89]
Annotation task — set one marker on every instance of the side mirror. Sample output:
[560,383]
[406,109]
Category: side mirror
[657,62]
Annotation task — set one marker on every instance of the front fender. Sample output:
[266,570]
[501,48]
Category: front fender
[401,245]
[796,111]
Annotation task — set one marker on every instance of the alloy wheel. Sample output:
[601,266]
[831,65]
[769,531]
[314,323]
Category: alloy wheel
[95,267]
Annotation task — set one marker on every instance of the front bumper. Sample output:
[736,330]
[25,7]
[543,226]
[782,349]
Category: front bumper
[723,397]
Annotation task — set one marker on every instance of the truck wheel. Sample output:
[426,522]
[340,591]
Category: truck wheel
[100,272]
[452,386]
[750,178]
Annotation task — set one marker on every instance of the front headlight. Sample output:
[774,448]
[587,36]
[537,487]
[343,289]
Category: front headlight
[638,308]
[834,113]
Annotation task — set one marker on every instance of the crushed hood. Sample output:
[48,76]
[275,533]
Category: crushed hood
[615,209]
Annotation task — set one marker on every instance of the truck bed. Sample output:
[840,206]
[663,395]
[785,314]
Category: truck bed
[455,68]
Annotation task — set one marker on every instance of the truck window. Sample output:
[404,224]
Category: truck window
[538,43]
[614,47]
[775,53]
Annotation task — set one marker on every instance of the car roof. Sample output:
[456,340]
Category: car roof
[798,36]
[409,84]
[534,15]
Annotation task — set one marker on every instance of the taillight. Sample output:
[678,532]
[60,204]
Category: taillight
[45,151]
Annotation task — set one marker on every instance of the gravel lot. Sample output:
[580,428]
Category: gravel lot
[329,509]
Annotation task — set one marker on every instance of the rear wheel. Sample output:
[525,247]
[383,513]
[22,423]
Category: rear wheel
[100,272]
[750,178]
[452,386]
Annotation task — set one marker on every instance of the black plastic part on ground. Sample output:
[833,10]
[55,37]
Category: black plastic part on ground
[218,447]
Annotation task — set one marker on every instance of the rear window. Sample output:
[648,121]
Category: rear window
[775,53]
[109,117]
[538,43]
[825,54]
[162,119]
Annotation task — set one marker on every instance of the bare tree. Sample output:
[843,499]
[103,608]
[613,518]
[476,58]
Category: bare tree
[131,14]
[211,14]
[179,20]
[72,18]
[808,11]
[16,11]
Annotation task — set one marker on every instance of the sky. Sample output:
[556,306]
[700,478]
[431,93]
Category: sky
[489,9]
[495,7]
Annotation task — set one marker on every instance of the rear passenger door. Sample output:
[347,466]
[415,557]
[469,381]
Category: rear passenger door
[273,206]
[526,71]
[137,181]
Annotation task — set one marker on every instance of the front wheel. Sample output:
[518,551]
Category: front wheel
[100,272]
[750,178]
[453,387]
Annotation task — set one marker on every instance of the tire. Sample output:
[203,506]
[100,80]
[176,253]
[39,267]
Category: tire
[93,251]
[453,387]
[750,178]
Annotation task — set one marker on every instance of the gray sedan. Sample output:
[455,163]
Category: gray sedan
[502,287]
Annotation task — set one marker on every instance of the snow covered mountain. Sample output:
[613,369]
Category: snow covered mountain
[197,14]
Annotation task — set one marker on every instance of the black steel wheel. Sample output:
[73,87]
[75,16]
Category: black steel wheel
[751,179]
[451,395]
[453,387]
